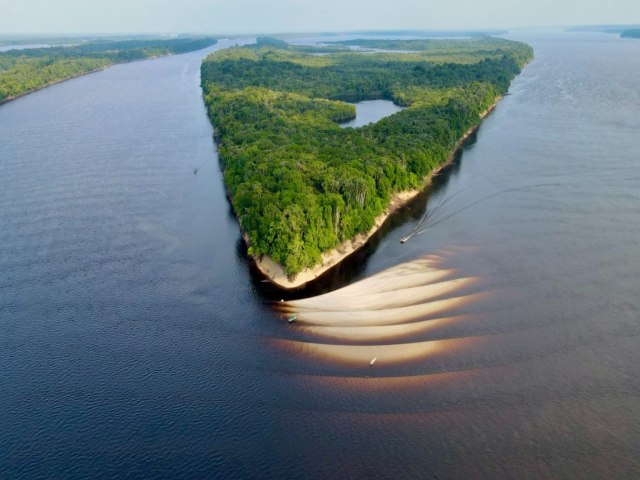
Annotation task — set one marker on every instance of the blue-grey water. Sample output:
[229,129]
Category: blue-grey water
[6,48]
[136,341]
[370,111]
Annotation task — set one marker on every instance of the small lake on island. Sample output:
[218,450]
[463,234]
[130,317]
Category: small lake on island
[370,111]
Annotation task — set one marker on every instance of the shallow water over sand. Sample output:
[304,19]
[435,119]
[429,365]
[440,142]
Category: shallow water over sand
[137,341]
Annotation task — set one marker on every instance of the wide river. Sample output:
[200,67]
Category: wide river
[136,341]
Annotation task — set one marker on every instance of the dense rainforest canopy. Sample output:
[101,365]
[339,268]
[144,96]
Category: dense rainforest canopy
[298,182]
[22,71]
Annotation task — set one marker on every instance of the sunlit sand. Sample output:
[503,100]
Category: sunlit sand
[386,333]
[384,300]
[392,354]
[388,317]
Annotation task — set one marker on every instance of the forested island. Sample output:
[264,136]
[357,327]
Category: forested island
[299,184]
[23,71]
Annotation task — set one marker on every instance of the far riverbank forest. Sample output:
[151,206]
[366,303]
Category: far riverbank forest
[300,184]
[23,71]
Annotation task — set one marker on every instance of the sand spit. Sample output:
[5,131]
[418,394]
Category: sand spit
[403,297]
[393,354]
[393,316]
[386,333]
[388,316]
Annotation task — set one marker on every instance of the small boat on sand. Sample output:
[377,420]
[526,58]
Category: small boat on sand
[292,318]
[373,360]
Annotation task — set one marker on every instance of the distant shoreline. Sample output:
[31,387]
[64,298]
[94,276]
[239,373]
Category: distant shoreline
[55,82]
[95,70]
[275,273]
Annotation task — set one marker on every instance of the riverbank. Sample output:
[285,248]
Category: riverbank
[77,75]
[55,82]
[94,70]
[275,272]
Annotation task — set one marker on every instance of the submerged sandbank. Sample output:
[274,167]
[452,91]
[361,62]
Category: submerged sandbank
[403,314]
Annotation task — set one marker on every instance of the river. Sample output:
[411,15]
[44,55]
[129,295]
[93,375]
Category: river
[137,341]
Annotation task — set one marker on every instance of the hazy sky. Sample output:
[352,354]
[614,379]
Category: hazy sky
[250,16]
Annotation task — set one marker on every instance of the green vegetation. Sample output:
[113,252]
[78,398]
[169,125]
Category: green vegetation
[299,183]
[632,33]
[272,42]
[22,71]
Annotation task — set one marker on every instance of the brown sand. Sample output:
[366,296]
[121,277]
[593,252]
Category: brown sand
[385,354]
[386,333]
[392,316]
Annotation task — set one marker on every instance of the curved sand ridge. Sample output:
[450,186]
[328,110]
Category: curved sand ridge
[395,316]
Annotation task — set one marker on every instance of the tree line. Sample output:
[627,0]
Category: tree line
[299,183]
[22,71]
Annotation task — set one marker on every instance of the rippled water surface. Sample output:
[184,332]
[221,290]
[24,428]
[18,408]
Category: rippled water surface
[137,341]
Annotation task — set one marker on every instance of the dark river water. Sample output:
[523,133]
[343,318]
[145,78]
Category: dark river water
[136,341]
